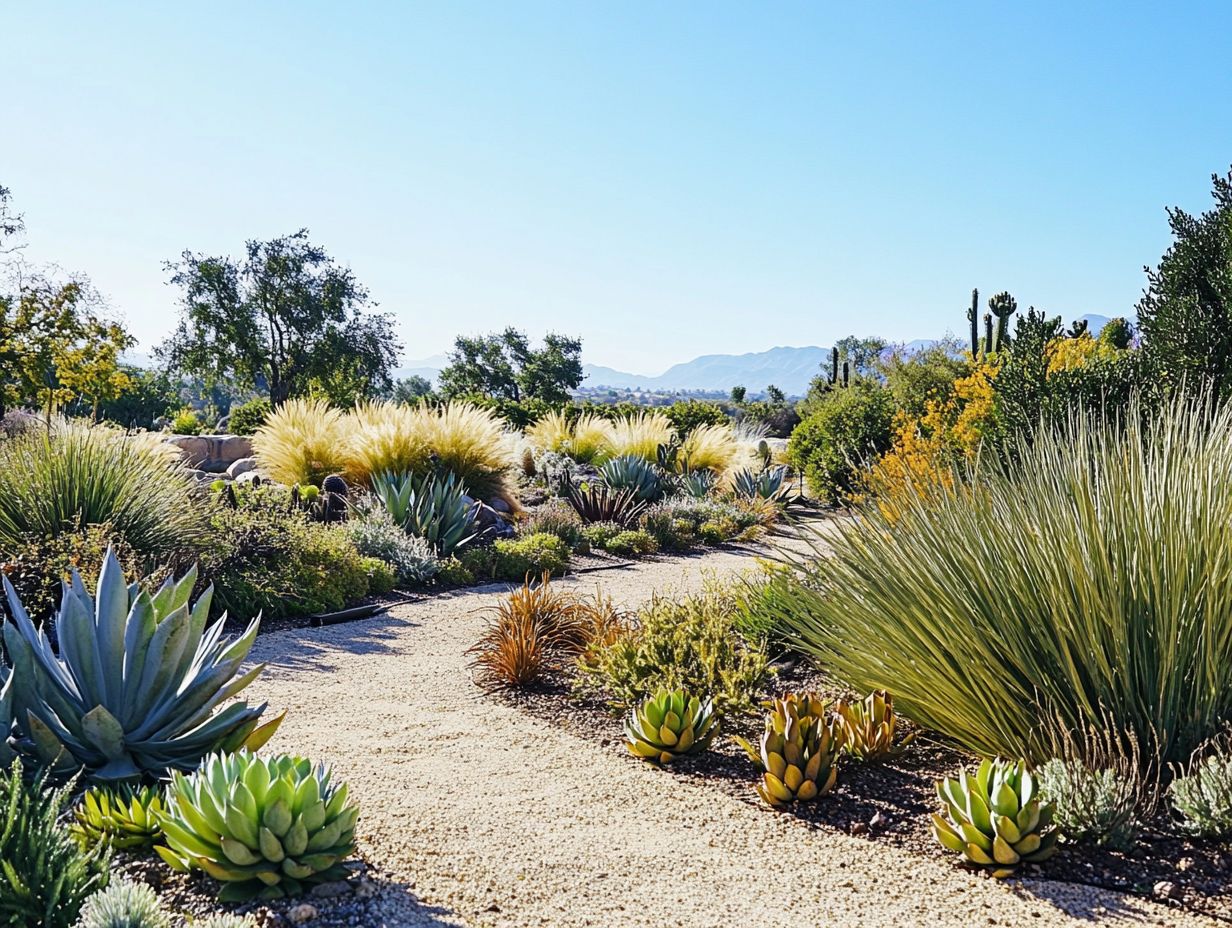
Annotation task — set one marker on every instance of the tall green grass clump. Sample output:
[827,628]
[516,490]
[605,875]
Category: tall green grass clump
[71,477]
[1089,579]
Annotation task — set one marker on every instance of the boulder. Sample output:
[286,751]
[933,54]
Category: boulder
[491,525]
[500,506]
[250,476]
[194,449]
[213,453]
[241,466]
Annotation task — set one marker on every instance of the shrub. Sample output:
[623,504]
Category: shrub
[45,878]
[1091,805]
[248,417]
[37,569]
[555,518]
[632,543]
[73,477]
[1203,795]
[640,435]
[302,441]
[186,423]
[534,555]
[279,563]
[434,507]
[1085,579]
[374,534]
[139,685]
[687,415]
[849,426]
[454,573]
[598,534]
[381,578]
[718,530]
[124,904]
[286,825]
[679,643]
[531,632]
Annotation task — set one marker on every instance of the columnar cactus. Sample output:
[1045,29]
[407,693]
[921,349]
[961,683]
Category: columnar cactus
[1003,306]
[973,316]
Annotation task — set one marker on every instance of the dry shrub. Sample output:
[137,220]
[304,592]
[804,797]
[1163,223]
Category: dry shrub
[536,629]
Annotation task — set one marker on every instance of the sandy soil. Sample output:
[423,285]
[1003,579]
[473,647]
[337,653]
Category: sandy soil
[491,817]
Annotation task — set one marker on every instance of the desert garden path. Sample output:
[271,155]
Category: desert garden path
[485,816]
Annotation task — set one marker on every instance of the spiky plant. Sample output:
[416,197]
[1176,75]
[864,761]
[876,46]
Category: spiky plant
[44,876]
[595,502]
[435,508]
[225,920]
[124,904]
[995,817]
[120,817]
[1084,581]
[263,827]
[592,440]
[698,484]
[72,477]
[799,750]
[633,473]
[770,483]
[640,435]
[7,754]
[870,726]
[141,685]
[531,630]
[386,438]
[302,441]
[670,724]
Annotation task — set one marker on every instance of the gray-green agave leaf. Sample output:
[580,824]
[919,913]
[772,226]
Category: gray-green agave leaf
[136,688]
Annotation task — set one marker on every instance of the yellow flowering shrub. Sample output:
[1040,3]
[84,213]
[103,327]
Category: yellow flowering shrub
[1067,354]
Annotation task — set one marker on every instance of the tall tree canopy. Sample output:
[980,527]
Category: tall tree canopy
[286,319]
[504,366]
[1185,314]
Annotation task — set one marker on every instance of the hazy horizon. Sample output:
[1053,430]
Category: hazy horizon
[663,182]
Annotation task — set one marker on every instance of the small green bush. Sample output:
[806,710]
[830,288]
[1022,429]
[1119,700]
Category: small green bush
[686,643]
[280,563]
[530,555]
[187,423]
[555,518]
[453,572]
[716,531]
[248,417]
[849,426]
[632,543]
[381,577]
[124,904]
[1090,805]
[1203,796]
[598,534]
[45,878]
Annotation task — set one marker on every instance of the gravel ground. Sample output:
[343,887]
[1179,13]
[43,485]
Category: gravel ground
[482,815]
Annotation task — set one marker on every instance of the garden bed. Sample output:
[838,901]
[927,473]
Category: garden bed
[891,803]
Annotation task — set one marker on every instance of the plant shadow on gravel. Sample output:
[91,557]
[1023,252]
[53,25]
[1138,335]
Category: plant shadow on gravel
[323,649]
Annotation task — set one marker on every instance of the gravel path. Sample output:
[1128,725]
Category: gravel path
[486,816]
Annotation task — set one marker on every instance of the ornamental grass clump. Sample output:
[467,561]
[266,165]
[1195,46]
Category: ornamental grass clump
[640,435]
[302,442]
[1084,576]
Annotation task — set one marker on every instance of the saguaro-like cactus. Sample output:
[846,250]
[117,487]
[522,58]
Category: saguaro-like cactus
[1003,306]
[973,316]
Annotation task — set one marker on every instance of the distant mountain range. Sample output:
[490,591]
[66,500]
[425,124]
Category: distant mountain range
[789,369]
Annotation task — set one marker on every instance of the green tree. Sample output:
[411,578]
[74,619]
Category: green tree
[503,366]
[686,415]
[411,389]
[286,319]
[11,224]
[924,375]
[847,428]
[1185,314]
[738,395]
[1117,332]
[861,354]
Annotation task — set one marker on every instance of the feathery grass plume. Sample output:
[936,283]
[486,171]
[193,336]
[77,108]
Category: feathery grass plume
[1086,577]
[387,438]
[551,432]
[471,443]
[592,437]
[711,447]
[302,441]
[73,476]
[640,435]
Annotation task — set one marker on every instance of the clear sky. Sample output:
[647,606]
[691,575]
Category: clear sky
[662,179]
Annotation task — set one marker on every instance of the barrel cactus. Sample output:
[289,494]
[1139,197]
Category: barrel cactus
[996,818]
[139,685]
[668,725]
[264,828]
[122,818]
[870,726]
[799,750]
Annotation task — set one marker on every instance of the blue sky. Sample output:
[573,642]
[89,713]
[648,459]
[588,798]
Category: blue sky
[664,180]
